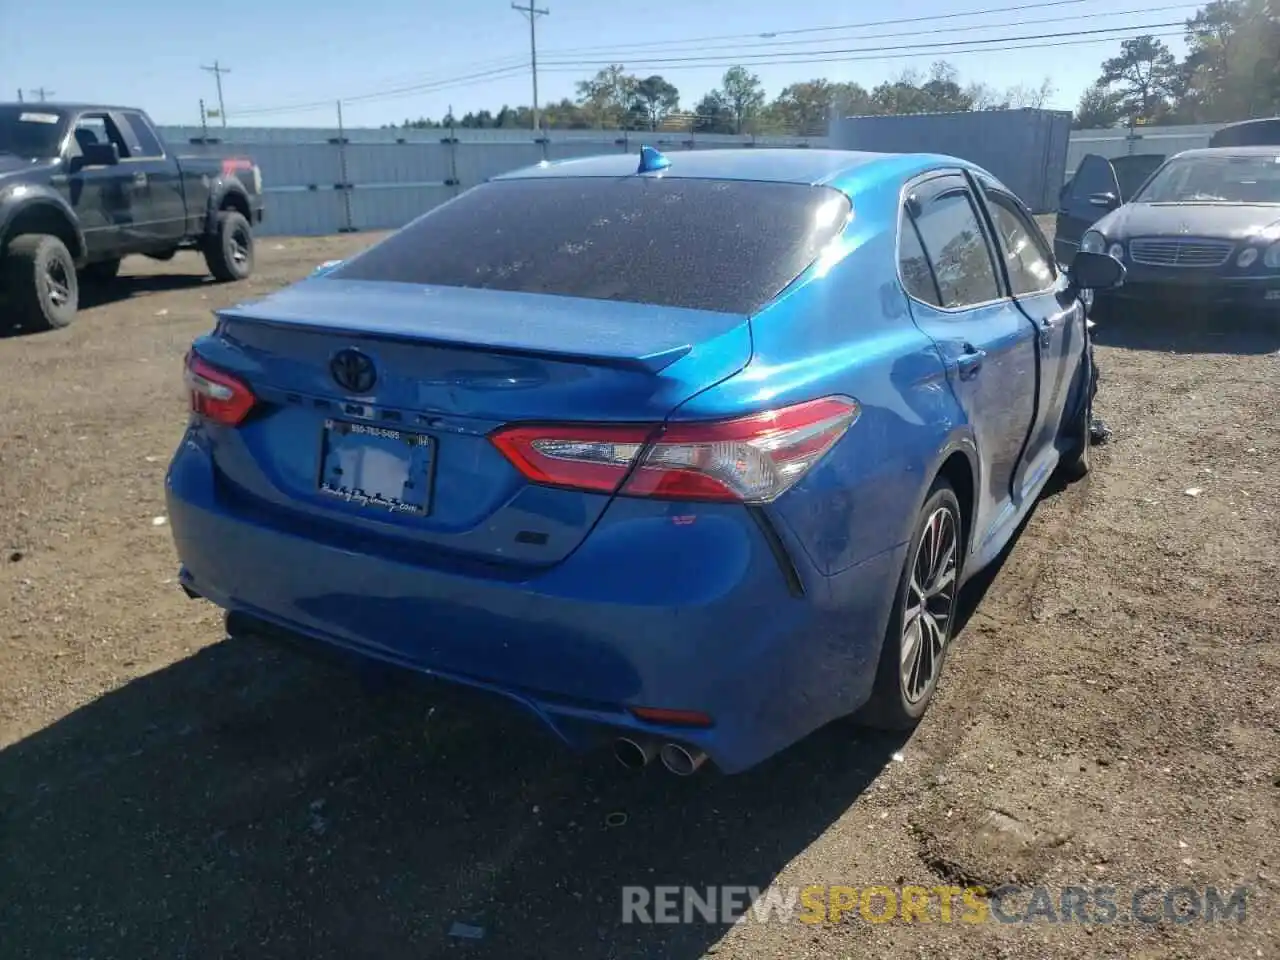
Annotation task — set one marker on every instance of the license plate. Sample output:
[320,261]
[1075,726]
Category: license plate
[379,468]
[1272,295]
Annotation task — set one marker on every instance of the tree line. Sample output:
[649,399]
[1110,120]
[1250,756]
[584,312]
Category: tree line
[614,99]
[1231,72]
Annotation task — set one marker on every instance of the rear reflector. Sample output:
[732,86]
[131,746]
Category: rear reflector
[215,394]
[748,460]
[671,718]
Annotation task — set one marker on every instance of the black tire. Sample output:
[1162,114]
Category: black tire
[1076,442]
[229,251]
[892,706]
[40,281]
[102,272]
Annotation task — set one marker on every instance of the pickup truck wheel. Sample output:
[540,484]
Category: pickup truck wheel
[229,252]
[104,271]
[40,277]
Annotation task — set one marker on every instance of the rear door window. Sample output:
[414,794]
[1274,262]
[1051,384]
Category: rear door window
[953,239]
[143,140]
[720,245]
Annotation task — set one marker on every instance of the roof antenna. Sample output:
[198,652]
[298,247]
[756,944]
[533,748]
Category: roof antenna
[652,160]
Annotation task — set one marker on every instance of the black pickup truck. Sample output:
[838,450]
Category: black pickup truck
[82,186]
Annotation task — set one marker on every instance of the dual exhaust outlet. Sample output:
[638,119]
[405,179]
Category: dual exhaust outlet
[681,760]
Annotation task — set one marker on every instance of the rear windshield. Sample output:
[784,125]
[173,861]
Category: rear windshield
[726,246]
[30,131]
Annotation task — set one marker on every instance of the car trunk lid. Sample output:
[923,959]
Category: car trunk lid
[406,457]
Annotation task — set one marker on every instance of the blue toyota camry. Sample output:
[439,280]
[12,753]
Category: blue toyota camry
[689,456]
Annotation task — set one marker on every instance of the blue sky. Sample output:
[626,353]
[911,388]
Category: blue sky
[285,53]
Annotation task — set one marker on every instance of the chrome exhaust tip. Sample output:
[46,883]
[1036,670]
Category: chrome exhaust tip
[632,754]
[682,761]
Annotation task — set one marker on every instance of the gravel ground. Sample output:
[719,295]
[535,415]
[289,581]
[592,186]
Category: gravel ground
[1109,718]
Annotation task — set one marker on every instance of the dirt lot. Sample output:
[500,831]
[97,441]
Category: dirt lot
[1110,716]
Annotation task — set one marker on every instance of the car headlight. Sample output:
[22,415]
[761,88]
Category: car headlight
[1093,242]
[1116,251]
[1247,256]
[1272,257]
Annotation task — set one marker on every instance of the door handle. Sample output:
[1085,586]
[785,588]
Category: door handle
[970,363]
[139,179]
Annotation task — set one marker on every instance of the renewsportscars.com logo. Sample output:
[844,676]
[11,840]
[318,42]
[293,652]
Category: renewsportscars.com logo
[942,904]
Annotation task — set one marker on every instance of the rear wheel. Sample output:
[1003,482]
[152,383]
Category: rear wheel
[40,280]
[923,617]
[229,251]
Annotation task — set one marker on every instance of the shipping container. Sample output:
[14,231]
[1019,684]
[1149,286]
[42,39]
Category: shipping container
[1026,149]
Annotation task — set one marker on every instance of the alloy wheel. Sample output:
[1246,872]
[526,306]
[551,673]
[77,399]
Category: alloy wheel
[929,606]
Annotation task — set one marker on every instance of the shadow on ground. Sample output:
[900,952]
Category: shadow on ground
[125,288]
[101,294]
[249,802]
[1190,330]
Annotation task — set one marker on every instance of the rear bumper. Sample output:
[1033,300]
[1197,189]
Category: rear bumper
[690,616]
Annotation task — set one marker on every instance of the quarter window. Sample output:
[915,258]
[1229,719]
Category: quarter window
[952,238]
[917,275]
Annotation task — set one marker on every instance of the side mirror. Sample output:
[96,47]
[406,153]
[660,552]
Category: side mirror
[1107,201]
[100,155]
[1095,271]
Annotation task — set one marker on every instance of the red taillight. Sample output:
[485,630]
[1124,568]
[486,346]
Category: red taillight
[583,457]
[216,395]
[751,459]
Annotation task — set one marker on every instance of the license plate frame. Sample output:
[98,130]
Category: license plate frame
[377,469]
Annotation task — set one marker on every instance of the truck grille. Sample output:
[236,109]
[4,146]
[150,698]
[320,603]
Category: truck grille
[1181,252]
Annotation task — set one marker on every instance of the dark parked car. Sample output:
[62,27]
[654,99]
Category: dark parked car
[83,186]
[1098,186]
[690,457]
[1203,229]
[1249,133]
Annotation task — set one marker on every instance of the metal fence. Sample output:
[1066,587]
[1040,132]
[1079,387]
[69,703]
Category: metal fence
[322,181]
[340,184]
[1119,143]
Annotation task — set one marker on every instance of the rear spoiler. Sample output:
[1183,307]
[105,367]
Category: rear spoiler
[649,363]
[627,336]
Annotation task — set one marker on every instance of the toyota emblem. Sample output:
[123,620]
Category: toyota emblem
[353,371]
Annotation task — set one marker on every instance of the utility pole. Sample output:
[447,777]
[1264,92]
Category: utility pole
[533,13]
[20,95]
[218,70]
[42,94]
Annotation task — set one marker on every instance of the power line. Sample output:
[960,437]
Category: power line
[781,57]
[920,47]
[390,94]
[889,55]
[533,13]
[796,31]
[616,52]
[218,70]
